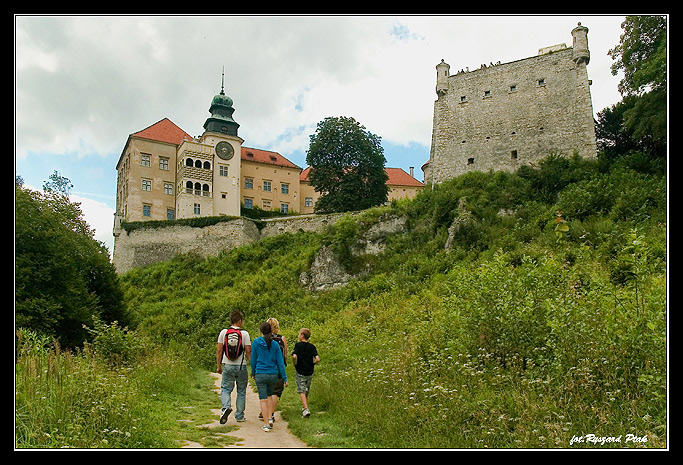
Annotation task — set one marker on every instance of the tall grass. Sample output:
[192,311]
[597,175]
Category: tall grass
[84,400]
[499,357]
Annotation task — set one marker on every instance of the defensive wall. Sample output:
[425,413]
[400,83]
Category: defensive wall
[149,245]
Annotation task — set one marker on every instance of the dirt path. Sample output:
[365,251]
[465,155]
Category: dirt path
[250,435]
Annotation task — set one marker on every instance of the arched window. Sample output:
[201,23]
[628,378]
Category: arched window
[198,164]
[188,187]
[207,165]
[205,190]
[189,162]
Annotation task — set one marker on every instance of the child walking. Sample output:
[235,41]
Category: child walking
[304,356]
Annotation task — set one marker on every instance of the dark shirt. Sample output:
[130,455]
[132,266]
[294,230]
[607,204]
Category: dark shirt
[305,354]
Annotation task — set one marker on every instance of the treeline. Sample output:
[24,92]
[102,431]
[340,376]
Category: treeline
[63,277]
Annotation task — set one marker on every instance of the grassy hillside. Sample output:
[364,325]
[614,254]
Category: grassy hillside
[545,320]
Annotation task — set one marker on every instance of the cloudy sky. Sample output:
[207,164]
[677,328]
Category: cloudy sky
[84,83]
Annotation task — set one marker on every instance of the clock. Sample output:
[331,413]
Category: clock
[224,150]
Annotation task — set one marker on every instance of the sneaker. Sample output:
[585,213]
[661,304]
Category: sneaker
[265,428]
[240,420]
[305,413]
[224,415]
[271,421]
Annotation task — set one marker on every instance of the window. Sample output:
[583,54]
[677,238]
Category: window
[470,161]
[513,155]
[163,163]
[222,170]
[189,162]
[541,82]
[170,214]
[308,202]
[188,187]
[248,183]
[249,203]
[207,165]
[197,163]
[197,209]
[284,188]
[168,188]
[266,204]
[146,210]
[463,98]
[147,185]
[513,88]
[284,208]
[266,186]
[487,93]
[145,159]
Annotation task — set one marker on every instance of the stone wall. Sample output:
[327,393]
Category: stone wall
[294,224]
[501,116]
[146,246]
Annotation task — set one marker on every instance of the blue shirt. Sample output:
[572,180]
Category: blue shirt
[265,360]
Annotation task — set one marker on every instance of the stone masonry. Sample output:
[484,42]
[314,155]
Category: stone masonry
[501,116]
[150,245]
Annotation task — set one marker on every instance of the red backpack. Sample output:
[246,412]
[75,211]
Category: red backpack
[233,343]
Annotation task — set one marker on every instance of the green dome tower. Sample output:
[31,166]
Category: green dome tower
[221,111]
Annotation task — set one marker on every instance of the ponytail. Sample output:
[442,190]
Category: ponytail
[267,333]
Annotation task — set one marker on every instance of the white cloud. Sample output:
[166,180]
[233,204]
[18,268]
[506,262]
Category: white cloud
[84,83]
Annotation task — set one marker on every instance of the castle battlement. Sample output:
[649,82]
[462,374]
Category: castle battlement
[501,116]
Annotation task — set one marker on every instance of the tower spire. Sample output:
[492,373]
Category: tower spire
[221,110]
[222,80]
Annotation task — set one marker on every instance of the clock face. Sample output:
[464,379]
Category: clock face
[224,150]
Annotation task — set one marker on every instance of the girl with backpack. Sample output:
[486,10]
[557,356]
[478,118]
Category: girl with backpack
[266,364]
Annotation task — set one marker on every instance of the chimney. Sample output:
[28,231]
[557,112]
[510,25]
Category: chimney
[412,168]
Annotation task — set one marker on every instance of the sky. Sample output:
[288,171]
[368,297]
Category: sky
[83,83]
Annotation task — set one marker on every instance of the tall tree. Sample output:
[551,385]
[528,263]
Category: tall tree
[641,55]
[347,166]
[63,276]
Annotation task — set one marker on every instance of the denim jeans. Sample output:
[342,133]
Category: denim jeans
[265,384]
[234,374]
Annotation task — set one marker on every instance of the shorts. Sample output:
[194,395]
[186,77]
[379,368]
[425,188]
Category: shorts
[279,387]
[303,383]
[265,383]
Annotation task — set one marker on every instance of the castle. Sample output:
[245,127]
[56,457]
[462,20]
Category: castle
[166,174]
[501,116]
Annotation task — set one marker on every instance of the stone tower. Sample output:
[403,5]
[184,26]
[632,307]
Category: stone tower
[501,116]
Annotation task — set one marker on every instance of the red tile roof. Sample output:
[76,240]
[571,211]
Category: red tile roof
[266,156]
[164,131]
[304,174]
[397,177]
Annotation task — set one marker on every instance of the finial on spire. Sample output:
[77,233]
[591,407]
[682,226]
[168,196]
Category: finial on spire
[222,79]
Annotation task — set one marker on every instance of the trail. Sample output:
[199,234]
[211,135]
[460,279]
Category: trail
[250,435]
